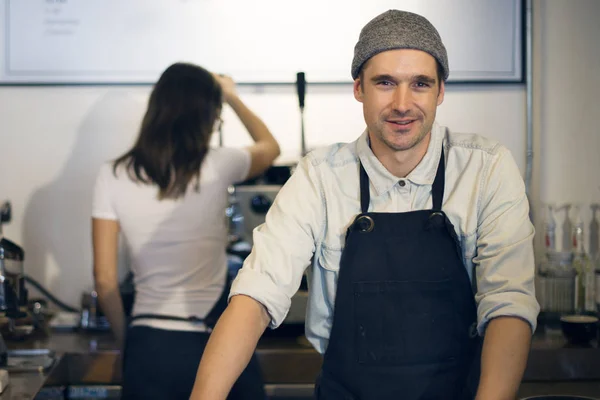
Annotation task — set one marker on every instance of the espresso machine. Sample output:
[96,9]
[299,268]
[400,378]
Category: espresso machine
[13,295]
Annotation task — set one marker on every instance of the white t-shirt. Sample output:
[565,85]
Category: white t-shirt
[176,247]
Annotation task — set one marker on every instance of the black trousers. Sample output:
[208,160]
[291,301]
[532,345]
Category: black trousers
[162,364]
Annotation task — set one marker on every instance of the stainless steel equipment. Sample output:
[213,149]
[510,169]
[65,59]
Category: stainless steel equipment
[13,296]
[254,201]
[235,218]
[12,291]
[30,360]
[92,317]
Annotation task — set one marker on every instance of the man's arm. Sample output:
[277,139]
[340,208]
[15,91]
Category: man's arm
[229,348]
[261,293]
[504,358]
[504,267]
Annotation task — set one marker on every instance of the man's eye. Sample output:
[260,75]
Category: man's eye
[423,84]
[384,83]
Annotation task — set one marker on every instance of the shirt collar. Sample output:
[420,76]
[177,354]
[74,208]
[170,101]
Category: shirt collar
[423,174]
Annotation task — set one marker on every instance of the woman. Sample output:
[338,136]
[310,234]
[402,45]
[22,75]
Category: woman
[167,196]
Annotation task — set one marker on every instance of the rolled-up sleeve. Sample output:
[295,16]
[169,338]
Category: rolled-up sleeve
[284,245]
[504,263]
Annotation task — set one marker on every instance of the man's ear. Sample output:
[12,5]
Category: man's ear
[358,92]
[440,98]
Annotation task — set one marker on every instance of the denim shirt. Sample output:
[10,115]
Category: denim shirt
[305,227]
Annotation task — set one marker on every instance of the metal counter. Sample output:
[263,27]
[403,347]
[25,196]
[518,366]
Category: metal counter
[290,365]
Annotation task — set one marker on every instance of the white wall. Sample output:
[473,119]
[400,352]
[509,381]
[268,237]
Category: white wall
[567,106]
[53,139]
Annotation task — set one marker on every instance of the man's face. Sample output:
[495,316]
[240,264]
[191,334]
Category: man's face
[400,92]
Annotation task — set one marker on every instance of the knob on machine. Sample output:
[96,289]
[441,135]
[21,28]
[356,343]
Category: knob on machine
[260,204]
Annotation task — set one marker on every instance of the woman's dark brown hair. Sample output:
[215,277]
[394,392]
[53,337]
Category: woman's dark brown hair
[175,132]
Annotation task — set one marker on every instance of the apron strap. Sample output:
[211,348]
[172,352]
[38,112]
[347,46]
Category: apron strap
[437,190]
[191,318]
[211,318]
[365,195]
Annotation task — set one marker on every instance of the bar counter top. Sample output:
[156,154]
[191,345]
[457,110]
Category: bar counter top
[291,360]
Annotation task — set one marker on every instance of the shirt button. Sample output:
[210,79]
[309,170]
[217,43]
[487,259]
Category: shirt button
[402,183]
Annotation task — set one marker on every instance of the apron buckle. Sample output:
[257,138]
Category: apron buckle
[437,219]
[364,223]
[473,333]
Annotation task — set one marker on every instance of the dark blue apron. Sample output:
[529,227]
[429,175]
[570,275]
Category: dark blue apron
[173,356]
[405,318]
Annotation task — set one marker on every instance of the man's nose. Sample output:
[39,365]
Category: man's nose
[402,99]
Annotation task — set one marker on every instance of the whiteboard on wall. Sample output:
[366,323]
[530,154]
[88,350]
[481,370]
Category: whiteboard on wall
[259,41]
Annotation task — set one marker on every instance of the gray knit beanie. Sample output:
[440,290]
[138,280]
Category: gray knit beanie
[396,29]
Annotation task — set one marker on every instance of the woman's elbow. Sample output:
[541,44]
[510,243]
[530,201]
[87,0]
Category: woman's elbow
[276,151]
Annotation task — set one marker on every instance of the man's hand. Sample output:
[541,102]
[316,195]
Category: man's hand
[227,86]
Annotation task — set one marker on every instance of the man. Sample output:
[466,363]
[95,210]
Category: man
[421,281]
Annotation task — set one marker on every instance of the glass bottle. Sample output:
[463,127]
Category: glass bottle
[585,298]
[595,250]
[550,229]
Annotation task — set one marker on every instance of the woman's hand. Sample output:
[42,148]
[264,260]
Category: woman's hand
[227,86]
